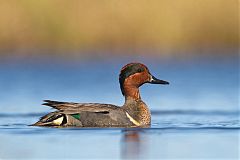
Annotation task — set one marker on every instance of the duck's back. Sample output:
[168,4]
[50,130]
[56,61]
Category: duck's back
[84,115]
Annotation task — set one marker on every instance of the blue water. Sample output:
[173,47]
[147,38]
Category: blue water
[195,117]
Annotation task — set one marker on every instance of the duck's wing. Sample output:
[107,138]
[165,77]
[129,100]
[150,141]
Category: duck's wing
[70,107]
[83,115]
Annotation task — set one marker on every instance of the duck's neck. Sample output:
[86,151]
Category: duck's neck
[136,109]
[132,92]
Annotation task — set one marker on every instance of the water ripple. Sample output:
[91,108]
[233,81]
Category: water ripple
[179,120]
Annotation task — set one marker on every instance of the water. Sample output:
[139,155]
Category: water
[195,117]
[172,135]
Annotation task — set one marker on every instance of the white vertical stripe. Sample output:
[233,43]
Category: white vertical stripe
[133,120]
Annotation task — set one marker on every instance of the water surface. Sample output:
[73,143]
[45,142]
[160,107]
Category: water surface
[195,117]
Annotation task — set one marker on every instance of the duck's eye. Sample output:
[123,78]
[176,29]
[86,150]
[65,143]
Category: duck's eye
[139,70]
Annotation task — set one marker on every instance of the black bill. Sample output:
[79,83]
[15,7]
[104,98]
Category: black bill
[154,80]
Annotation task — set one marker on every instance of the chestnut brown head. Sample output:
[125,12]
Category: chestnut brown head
[135,75]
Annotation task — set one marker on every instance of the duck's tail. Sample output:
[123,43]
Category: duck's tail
[58,118]
[52,119]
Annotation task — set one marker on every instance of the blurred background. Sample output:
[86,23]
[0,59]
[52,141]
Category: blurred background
[92,29]
[73,51]
[65,50]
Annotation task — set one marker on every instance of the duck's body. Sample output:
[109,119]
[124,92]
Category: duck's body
[134,112]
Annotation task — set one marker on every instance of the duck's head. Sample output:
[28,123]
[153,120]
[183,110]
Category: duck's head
[133,75]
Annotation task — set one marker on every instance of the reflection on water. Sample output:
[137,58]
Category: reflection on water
[201,135]
[132,144]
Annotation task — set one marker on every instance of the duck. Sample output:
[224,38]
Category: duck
[133,113]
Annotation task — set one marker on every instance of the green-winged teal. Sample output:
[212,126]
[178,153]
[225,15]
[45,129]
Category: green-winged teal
[134,112]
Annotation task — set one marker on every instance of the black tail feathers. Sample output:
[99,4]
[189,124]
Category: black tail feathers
[52,119]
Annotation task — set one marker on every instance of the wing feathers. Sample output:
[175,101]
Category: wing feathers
[69,107]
